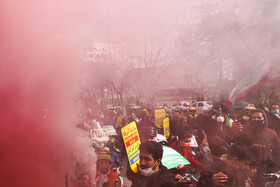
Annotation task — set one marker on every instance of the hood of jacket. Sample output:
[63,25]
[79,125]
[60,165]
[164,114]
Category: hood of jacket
[265,119]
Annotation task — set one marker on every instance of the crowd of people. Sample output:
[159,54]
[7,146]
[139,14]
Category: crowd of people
[242,145]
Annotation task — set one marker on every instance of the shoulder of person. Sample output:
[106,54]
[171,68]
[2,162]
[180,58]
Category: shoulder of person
[270,131]
[163,173]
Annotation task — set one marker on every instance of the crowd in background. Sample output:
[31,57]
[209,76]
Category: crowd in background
[237,146]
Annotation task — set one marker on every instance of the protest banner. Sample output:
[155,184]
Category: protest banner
[110,130]
[166,129]
[171,158]
[132,142]
[159,117]
[99,135]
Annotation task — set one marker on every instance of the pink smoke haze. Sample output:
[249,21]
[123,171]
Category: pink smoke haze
[39,55]
[209,43]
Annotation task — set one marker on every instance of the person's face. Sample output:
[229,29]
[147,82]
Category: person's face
[148,118]
[103,166]
[147,160]
[236,117]
[147,138]
[99,133]
[214,116]
[257,116]
[244,166]
[185,143]
[220,115]
[275,107]
[176,114]
[252,171]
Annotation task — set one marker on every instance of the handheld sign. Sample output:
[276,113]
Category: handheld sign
[160,116]
[132,142]
[166,129]
[110,130]
[99,135]
[171,158]
[193,142]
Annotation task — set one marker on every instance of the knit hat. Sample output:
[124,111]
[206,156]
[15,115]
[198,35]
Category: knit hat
[104,155]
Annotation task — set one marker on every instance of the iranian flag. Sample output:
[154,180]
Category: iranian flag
[250,83]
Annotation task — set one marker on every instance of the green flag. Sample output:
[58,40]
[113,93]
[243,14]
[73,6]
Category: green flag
[228,123]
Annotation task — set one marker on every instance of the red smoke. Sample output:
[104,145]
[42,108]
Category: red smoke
[38,71]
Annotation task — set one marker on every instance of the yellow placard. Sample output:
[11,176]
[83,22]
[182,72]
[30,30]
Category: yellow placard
[132,142]
[160,116]
[166,129]
[119,122]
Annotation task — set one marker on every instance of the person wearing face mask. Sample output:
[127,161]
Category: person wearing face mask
[263,141]
[275,109]
[218,135]
[151,172]
[182,146]
[274,118]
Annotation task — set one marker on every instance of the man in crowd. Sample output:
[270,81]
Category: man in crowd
[231,171]
[274,118]
[183,147]
[148,133]
[262,140]
[146,121]
[194,124]
[173,123]
[275,109]
[218,135]
[105,177]
[248,111]
[192,119]
[151,172]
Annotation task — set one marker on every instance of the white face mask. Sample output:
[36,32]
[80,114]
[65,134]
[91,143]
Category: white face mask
[214,117]
[101,116]
[220,119]
[148,171]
